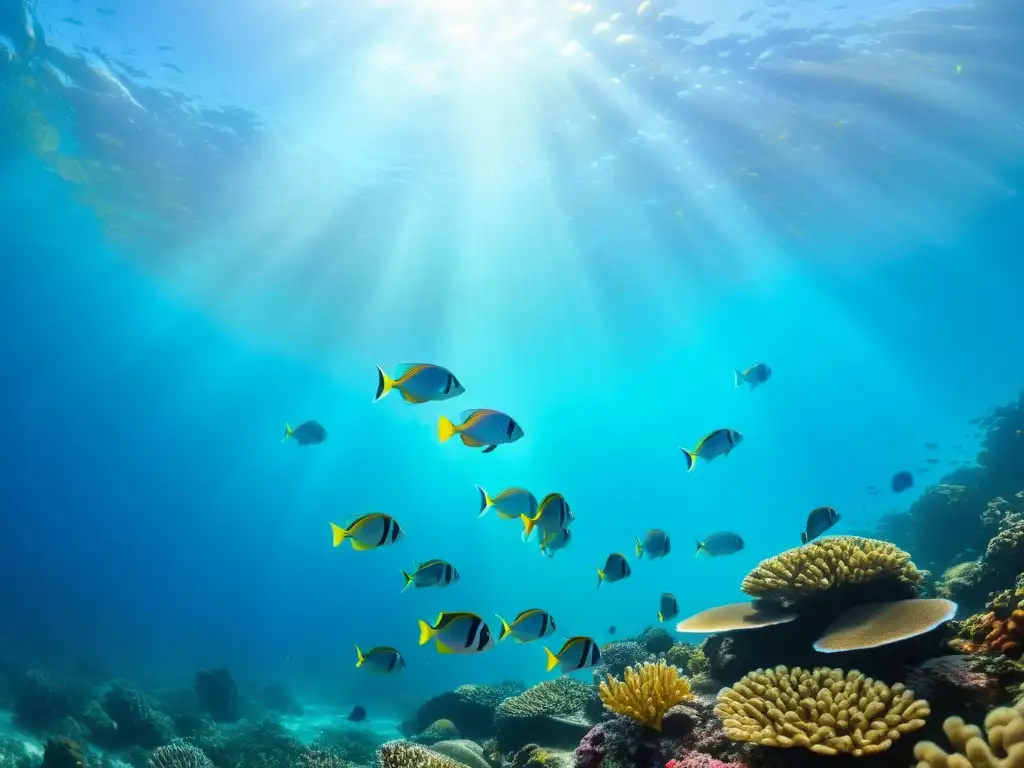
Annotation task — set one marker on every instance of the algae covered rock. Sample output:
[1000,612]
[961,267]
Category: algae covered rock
[555,713]
[470,708]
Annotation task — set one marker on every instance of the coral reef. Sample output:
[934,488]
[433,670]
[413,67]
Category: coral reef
[656,640]
[40,700]
[439,730]
[218,694]
[556,713]
[958,683]
[320,758]
[823,710]
[470,707]
[1002,749]
[405,754]
[791,577]
[136,721]
[617,656]
[61,752]
[354,744]
[534,756]
[647,692]
[179,754]
[464,751]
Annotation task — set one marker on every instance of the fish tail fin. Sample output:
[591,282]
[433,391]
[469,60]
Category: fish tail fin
[552,659]
[288,432]
[803,538]
[505,628]
[700,546]
[485,501]
[528,524]
[408,581]
[691,458]
[340,534]
[600,576]
[426,632]
[384,384]
[359,657]
[660,617]
[445,429]
[639,548]
[738,375]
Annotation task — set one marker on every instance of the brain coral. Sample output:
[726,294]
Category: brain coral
[823,710]
[828,563]
[404,754]
[1003,749]
[439,730]
[647,693]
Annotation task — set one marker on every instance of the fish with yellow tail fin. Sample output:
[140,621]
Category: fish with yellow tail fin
[461,633]
[615,569]
[712,445]
[510,504]
[527,626]
[433,573]
[381,659]
[577,653]
[656,544]
[553,542]
[668,608]
[419,383]
[553,514]
[307,433]
[720,543]
[369,532]
[755,375]
[480,428]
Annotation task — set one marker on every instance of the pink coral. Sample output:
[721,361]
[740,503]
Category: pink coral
[590,752]
[692,758]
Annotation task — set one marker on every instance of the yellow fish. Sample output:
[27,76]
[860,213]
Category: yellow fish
[369,531]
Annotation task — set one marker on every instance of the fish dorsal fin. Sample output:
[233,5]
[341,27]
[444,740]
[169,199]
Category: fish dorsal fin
[707,437]
[403,369]
[467,415]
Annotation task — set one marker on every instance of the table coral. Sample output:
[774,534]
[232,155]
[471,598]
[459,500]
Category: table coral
[647,692]
[823,710]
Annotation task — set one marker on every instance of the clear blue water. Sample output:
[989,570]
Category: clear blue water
[592,234]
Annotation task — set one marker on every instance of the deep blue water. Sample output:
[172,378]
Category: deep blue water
[593,258]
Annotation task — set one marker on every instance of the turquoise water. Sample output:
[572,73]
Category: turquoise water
[591,233]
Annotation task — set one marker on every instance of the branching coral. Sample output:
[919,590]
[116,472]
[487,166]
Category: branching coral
[560,697]
[823,710]
[1004,748]
[404,754]
[829,563]
[647,693]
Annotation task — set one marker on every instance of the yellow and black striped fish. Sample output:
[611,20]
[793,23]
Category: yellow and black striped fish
[369,531]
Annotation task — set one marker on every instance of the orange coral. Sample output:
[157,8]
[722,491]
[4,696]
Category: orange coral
[993,634]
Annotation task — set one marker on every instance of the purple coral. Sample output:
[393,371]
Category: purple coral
[590,752]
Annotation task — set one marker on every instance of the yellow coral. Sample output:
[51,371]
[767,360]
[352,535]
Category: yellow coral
[829,563]
[647,693]
[1004,748]
[403,754]
[823,710]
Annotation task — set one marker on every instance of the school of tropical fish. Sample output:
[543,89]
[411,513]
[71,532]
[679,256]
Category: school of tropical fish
[551,517]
